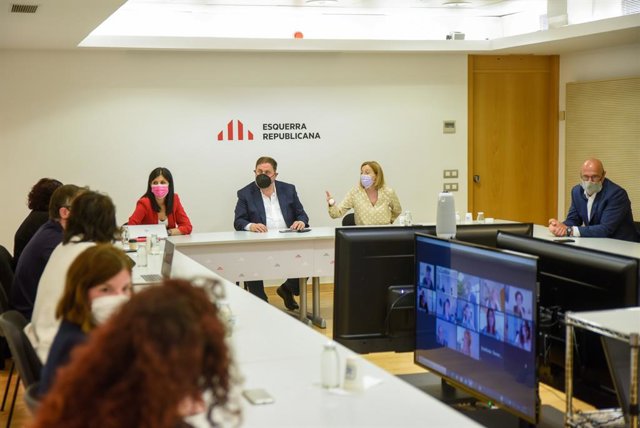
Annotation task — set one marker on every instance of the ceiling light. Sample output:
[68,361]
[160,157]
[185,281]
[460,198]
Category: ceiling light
[456,3]
[320,2]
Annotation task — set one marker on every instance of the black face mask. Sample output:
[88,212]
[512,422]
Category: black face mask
[263,181]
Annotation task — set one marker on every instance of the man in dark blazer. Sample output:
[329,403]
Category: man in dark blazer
[263,205]
[599,208]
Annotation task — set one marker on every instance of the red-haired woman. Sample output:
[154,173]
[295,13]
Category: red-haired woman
[147,367]
[98,283]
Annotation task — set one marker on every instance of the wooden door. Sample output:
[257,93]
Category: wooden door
[513,136]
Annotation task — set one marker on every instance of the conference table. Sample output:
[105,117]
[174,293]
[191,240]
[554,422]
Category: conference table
[241,256]
[608,245]
[621,325]
[276,352]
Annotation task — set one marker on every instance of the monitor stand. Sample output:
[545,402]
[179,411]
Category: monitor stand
[477,410]
[438,388]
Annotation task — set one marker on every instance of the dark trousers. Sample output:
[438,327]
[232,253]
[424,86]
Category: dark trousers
[257,287]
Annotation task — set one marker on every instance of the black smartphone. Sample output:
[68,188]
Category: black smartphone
[564,240]
[307,229]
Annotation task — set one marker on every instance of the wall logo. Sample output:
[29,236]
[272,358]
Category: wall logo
[287,131]
[235,133]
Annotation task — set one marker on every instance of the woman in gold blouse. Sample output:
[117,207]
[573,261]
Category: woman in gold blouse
[372,201]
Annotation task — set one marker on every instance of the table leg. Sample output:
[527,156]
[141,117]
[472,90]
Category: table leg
[568,374]
[303,302]
[315,317]
[633,396]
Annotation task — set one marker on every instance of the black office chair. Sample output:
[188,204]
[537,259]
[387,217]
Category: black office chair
[32,398]
[4,349]
[26,360]
[6,269]
[349,220]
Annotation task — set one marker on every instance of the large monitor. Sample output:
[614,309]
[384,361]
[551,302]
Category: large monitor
[373,267]
[373,305]
[577,279]
[476,319]
[486,233]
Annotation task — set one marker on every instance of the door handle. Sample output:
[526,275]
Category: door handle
[476,179]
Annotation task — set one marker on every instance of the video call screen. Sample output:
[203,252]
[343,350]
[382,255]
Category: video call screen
[475,320]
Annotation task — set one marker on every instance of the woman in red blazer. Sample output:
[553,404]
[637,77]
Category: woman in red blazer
[160,205]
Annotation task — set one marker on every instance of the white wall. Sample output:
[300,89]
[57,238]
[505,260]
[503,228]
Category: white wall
[597,64]
[106,118]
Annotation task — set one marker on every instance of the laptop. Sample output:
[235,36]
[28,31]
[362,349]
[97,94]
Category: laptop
[165,270]
[141,230]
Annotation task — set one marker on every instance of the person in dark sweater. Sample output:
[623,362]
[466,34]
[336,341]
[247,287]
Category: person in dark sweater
[38,203]
[37,252]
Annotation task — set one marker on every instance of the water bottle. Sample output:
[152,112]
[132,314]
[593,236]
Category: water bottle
[330,370]
[353,375]
[155,244]
[125,237]
[147,240]
[142,256]
[408,221]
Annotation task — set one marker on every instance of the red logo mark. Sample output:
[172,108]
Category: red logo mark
[238,133]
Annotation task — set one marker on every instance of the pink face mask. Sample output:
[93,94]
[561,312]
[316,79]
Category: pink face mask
[160,190]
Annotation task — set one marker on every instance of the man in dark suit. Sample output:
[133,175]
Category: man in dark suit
[599,208]
[263,205]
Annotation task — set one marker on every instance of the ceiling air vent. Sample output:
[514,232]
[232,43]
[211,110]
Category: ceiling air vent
[24,8]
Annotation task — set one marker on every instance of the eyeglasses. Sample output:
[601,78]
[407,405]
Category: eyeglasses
[592,178]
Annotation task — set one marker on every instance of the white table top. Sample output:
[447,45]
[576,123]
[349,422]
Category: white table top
[272,235]
[609,245]
[278,353]
[623,322]
[242,236]
[282,355]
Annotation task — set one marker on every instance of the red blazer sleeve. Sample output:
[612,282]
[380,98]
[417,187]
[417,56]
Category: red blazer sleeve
[179,217]
[144,213]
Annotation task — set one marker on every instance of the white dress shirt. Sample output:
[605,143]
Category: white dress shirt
[275,220]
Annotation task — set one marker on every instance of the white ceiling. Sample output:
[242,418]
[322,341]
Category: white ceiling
[64,24]
[58,24]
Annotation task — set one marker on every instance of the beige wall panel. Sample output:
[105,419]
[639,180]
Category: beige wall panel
[603,121]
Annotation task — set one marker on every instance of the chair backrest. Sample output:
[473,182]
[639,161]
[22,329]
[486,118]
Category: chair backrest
[4,300]
[6,269]
[32,398]
[26,360]
[349,220]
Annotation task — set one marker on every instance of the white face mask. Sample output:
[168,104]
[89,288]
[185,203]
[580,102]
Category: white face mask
[102,307]
[590,187]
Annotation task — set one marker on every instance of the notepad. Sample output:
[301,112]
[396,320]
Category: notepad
[141,230]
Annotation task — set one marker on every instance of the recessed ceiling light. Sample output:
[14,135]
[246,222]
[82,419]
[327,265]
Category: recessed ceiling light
[320,2]
[456,3]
